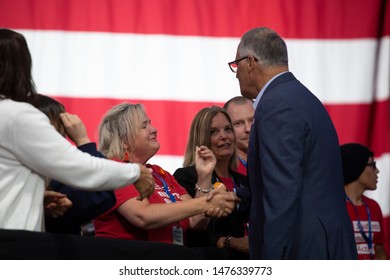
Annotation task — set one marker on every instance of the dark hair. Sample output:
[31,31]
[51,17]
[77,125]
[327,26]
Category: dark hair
[52,109]
[354,158]
[16,81]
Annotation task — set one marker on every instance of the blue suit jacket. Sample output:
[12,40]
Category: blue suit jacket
[295,175]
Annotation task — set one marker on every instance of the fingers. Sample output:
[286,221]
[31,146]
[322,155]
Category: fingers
[145,184]
[205,153]
[70,120]
[210,195]
[57,207]
[214,213]
[221,203]
[75,128]
[53,194]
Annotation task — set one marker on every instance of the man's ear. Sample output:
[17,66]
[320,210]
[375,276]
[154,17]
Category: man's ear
[251,63]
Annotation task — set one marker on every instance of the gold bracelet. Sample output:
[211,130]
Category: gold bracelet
[203,190]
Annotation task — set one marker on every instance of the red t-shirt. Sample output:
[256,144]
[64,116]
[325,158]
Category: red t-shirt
[376,226]
[228,182]
[112,224]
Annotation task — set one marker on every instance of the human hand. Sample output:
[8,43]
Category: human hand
[240,244]
[75,129]
[205,161]
[56,204]
[145,183]
[237,243]
[220,203]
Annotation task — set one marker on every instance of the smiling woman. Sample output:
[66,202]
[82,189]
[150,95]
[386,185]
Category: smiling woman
[126,134]
[213,128]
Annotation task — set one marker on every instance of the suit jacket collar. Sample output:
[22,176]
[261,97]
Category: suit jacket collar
[280,78]
[285,77]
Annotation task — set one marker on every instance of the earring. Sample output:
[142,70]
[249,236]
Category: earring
[126,156]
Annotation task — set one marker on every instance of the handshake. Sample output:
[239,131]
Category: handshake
[218,202]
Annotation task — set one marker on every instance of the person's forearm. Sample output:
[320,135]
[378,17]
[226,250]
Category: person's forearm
[159,215]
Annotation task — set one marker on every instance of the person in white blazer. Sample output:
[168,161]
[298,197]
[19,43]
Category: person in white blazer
[31,150]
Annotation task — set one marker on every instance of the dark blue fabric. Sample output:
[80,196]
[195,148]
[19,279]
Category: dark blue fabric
[86,204]
[295,176]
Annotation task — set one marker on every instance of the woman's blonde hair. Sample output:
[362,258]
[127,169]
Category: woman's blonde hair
[120,125]
[200,134]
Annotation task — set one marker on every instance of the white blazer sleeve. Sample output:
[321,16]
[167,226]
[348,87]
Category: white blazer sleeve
[36,144]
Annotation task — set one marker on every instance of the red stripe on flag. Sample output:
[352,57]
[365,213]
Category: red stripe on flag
[363,123]
[173,120]
[216,18]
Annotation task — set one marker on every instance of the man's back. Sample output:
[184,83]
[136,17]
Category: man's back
[296,178]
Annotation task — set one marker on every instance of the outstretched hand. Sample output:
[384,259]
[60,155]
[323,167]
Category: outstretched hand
[145,183]
[220,203]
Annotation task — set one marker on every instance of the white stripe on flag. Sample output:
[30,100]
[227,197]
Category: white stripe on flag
[185,68]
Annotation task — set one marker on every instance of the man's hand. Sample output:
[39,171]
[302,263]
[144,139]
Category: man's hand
[220,203]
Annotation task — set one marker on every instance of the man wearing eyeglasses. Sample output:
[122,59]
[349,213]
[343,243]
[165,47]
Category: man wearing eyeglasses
[294,165]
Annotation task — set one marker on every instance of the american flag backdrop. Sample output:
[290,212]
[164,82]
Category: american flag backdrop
[171,55]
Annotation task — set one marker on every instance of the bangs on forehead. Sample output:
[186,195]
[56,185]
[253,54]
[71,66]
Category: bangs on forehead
[140,115]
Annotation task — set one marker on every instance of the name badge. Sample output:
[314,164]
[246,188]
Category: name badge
[178,237]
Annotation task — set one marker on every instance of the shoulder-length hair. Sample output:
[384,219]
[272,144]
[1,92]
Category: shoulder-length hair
[16,81]
[52,109]
[200,134]
[120,125]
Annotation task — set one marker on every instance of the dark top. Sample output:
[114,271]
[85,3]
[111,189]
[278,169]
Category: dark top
[86,204]
[298,206]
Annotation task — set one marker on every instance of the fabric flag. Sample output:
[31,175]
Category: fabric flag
[171,55]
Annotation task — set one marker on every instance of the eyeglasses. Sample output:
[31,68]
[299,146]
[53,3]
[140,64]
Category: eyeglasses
[372,164]
[234,64]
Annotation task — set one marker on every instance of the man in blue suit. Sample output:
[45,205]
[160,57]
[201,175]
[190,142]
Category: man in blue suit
[294,165]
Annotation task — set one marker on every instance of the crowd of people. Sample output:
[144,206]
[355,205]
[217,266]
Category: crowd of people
[263,177]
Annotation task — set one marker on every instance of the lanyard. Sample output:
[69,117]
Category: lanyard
[369,238]
[165,186]
[244,163]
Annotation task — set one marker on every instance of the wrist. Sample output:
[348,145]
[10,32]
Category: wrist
[82,141]
[203,189]
[226,241]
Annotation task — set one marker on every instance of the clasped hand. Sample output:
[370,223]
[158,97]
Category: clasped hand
[220,203]
[56,204]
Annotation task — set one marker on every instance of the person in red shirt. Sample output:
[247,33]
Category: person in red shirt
[361,174]
[126,134]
